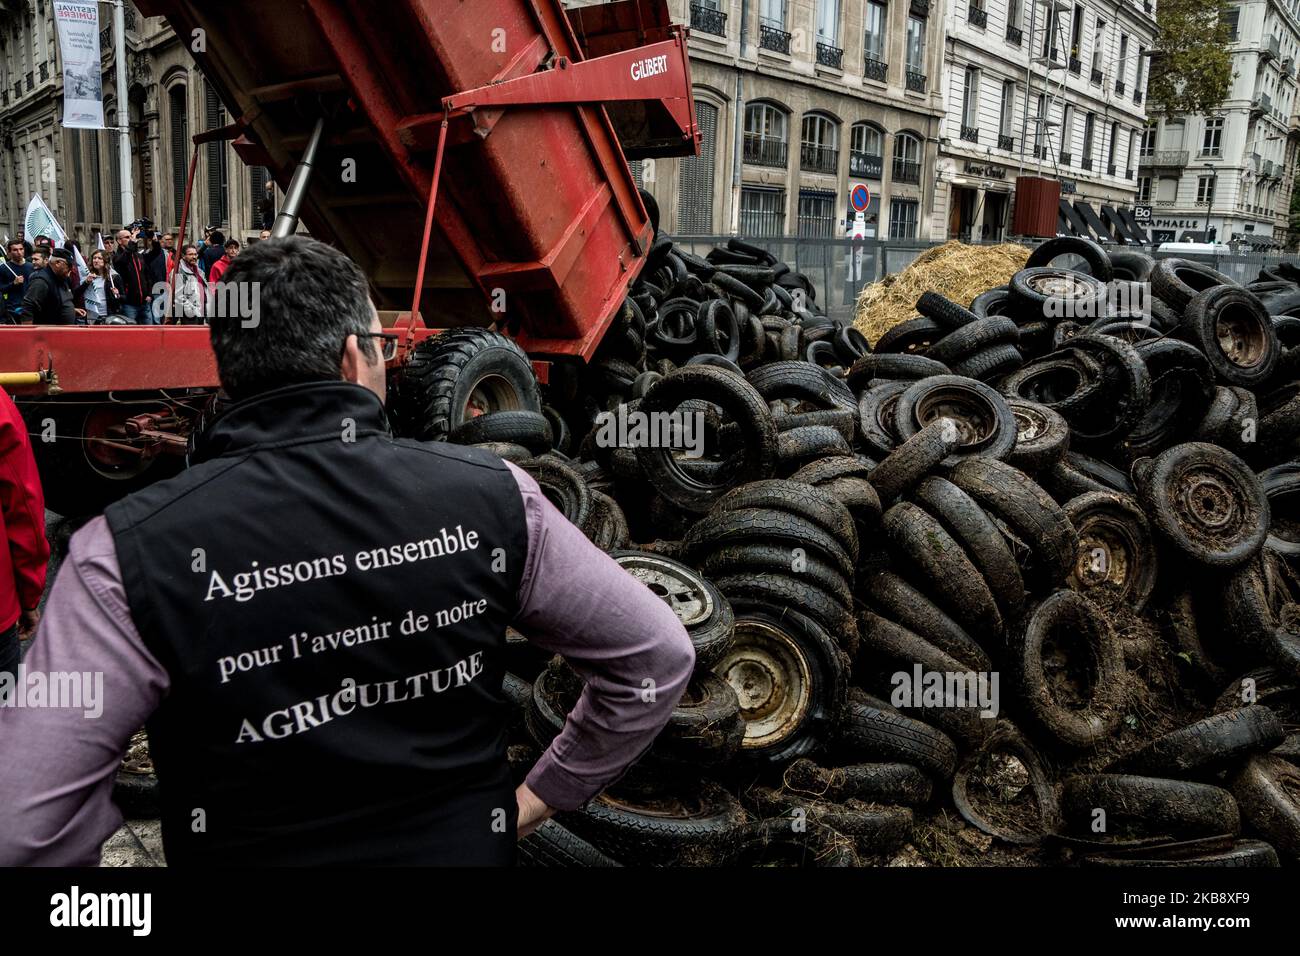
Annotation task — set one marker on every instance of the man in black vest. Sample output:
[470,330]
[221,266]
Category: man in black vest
[311,619]
[48,300]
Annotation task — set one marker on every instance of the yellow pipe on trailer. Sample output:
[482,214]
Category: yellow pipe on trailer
[21,378]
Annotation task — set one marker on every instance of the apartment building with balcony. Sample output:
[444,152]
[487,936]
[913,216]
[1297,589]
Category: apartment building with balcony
[1041,87]
[1231,171]
[799,101]
[77,171]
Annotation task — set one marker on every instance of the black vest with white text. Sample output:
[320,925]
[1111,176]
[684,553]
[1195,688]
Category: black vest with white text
[330,606]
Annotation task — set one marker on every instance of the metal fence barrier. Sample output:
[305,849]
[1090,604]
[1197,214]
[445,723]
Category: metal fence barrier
[839,268]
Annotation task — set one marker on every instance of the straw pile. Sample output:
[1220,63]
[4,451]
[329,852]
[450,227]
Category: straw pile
[953,269]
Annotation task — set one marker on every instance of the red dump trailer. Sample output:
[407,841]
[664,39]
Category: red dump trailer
[469,155]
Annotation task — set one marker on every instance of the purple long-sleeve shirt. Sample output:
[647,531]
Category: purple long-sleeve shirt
[57,765]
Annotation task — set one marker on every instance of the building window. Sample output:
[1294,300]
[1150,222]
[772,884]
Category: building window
[1212,140]
[907,159]
[820,152]
[817,213]
[1148,140]
[1144,189]
[73,145]
[828,22]
[874,42]
[1089,133]
[1098,44]
[1067,133]
[772,13]
[1076,34]
[1110,149]
[1040,127]
[866,151]
[1007,115]
[180,140]
[96,212]
[218,169]
[1121,68]
[695,198]
[765,143]
[902,218]
[915,44]
[1231,17]
[762,211]
[1013,13]
[970,105]
[1204,190]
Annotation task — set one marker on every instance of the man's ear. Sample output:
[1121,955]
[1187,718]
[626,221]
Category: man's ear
[352,360]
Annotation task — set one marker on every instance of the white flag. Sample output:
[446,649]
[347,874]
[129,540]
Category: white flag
[39,221]
[99,241]
[83,79]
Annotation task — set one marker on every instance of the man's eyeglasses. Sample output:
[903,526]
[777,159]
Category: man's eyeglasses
[387,343]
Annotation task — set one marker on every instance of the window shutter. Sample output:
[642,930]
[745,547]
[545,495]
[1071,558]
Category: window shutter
[695,193]
[180,133]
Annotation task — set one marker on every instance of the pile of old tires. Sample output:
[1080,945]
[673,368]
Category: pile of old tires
[1029,558]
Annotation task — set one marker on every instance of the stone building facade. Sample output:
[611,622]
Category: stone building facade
[77,171]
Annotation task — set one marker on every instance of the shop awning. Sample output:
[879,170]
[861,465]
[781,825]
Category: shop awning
[1134,229]
[1117,227]
[1094,221]
[1077,225]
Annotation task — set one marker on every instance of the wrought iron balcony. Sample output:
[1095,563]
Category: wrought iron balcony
[1119,87]
[873,69]
[1110,169]
[1040,152]
[1131,173]
[920,7]
[1065,158]
[970,134]
[831,56]
[915,81]
[818,159]
[1171,158]
[773,38]
[865,166]
[28,82]
[765,150]
[1015,35]
[1096,76]
[43,72]
[977,16]
[1086,163]
[1006,142]
[708,20]
[906,171]
[1076,66]
[1137,96]
[1272,49]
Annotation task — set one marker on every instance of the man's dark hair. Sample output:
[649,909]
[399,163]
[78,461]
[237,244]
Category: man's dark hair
[232,243]
[187,247]
[218,238]
[13,242]
[310,298]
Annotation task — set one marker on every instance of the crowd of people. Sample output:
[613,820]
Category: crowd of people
[145,277]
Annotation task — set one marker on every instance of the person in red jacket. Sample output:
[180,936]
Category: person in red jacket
[22,517]
[221,265]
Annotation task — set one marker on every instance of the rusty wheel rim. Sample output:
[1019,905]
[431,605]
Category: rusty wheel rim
[1241,338]
[772,678]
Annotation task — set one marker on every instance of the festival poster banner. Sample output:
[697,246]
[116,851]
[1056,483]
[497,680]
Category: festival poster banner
[83,86]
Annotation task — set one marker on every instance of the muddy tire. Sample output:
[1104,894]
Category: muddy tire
[1007,740]
[1077,707]
[1176,281]
[457,375]
[892,367]
[940,561]
[972,528]
[562,486]
[530,429]
[745,407]
[911,337]
[1206,746]
[1268,791]
[791,679]
[697,602]
[895,599]
[1230,326]
[1042,436]
[1259,607]
[773,559]
[657,829]
[914,459]
[793,590]
[876,417]
[1094,257]
[1206,504]
[765,526]
[1116,561]
[1012,496]
[553,846]
[985,424]
[1282,488]
[890,783]
[944,311]
[796,498]
[873,734]
[1148,806]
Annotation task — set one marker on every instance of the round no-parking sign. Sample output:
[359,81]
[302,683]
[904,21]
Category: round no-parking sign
[860,197]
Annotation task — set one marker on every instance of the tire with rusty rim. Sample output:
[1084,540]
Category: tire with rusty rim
[698,604]
[1069,670]
[1230,326]
[985,425]
[1116,559]
[1042,436]
[790,677]
[458,375]
[1206,503]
